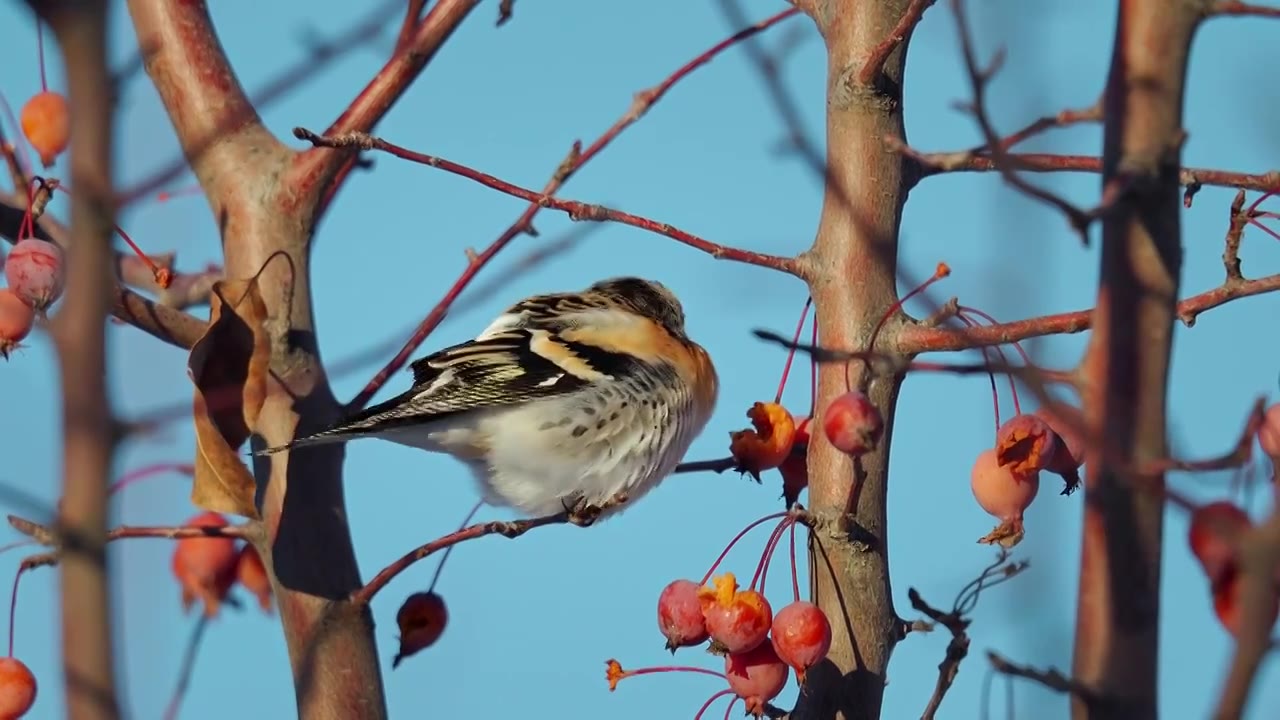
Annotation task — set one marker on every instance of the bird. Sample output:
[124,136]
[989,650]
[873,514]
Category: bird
[573,402]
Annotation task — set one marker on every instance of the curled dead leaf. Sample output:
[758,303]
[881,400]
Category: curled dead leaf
[228,366]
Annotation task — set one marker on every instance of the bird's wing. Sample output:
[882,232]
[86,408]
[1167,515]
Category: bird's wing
[552,312]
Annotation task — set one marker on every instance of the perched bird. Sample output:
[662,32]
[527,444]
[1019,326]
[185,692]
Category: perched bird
[576,401]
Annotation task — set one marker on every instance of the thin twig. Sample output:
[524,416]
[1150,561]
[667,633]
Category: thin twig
[1051,678]
[910,18]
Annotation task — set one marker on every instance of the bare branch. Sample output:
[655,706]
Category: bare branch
[1051,678]
[79,333]
[576,158]
[874,64]
[1233,8]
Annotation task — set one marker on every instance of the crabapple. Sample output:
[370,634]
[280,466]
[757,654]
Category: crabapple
[852,423]
[680,615]
[46,121]
[737,620]
[769,442]
[1071,449]
[757,676]
[1002,495]
[35,272]
[17,689]
[1025,444]
[1226,605]
[422,619]
[252,574]
[795,477]
[16,319]
[801,636]
[205,566]
[1269,432]
[1206,536]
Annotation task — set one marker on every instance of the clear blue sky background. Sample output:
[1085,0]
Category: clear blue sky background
[534,620]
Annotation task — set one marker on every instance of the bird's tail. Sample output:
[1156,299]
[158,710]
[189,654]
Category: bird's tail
[324,437]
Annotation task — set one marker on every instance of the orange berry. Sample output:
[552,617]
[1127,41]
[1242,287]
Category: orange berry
[738,620]
[16,319]
[205,566]
[252,574]
[46,121]
[766,446]
[17,689]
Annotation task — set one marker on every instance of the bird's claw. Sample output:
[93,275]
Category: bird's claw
[508,529]
[584,514]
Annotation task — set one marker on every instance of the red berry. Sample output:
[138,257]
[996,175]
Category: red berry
[757,676]
[1226,605]
[1269,432]
[802,423]
[205,566]
[852,423]
[801,636]
[17,689]
[738,620]
[1208,541]
[1072,439]
[16,319]
[422,619]
[795,476]
[35,272]
[252,574]
[680,615]
[46,121]
[1025,444]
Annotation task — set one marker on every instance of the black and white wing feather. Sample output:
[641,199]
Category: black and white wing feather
[500,367]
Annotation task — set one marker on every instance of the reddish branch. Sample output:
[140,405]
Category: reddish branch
[578,156]
[1231,8]
[920,338]
[319,171]
[80,337]
[969,161]
[880,53]
[1064,118]
[576,210]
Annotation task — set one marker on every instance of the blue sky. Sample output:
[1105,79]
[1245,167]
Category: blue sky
[534,620]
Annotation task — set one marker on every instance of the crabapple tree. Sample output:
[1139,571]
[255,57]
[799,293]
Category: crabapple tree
[275,529]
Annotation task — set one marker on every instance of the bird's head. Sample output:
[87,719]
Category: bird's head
[645,297]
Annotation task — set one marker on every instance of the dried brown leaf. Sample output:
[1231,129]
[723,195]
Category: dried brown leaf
[228,366]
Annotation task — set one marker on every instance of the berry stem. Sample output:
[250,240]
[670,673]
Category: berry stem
[1016,345]
[710,701]
[941,271]
[742,533]
[995,395]
[187,669]
[162,275]
[762,568]
[449,550]
[791,355]
[733,701]
[13,606]
[795,576]
[671,668]
[1013,386]
[148,471]
[44,82]
[813,374]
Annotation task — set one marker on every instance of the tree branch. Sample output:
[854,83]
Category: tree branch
[918,338]
[577,157]
[1127,362]
[79,334]
[969,161]
[1232,8]
[317,172]
[910,18]
[576,210]
[1051,678]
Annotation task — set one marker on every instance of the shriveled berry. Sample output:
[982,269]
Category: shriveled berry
[801,636]
[1207,537]
[46,121]
[1025,444]
[802,423]
[35,272]
[17,688]
[205,566]
[737,620]
[16,320]
[252,574]
[422,619]
[852,423]
[795,476]
[1069,454]
[1269,432]
[769,442]
[680,615]
[757,676]
[1002,495]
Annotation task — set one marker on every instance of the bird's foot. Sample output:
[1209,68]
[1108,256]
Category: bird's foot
[508,529]
[584,514]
